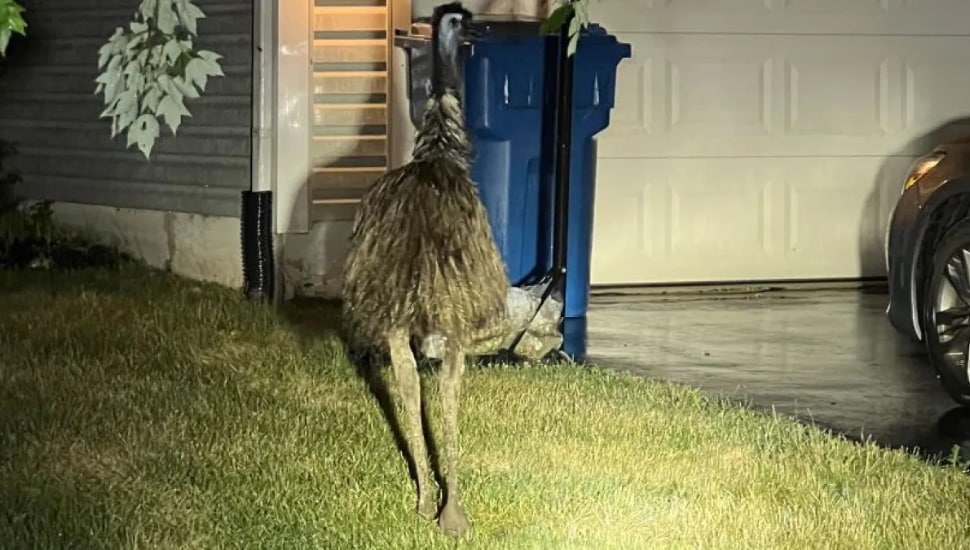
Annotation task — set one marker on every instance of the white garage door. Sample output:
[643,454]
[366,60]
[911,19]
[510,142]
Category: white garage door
[768,139]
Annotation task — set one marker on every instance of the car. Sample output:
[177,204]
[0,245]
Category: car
[927,252]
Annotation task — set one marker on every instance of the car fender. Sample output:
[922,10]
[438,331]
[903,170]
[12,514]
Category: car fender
[941,194]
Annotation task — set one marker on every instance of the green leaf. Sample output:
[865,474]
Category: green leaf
[582,12]
[172,50]
[133,66]
[5,35]
[156,55]
[556,19]
[187,89]
[171,109]
[126,109]
[168,86]
[118,40]
[115,64]
[133,135]
[196,72]
[104,54]
[574,26]
[107,77]
[10,22]
[166,18]
[136,82]
[111,90]
[189,14]
[135,41]
[211,62]
[147,9]
[148,130]
[150,101]
[11,18]
[138,27]
[573,44]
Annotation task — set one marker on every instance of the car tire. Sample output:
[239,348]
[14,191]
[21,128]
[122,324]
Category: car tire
[942,307]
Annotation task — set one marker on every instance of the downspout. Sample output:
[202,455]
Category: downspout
[259,255]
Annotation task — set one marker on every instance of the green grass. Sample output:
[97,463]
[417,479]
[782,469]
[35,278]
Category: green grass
[138,410]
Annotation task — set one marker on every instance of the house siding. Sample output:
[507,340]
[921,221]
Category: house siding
[65,153]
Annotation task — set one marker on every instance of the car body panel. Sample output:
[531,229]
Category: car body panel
[912,217]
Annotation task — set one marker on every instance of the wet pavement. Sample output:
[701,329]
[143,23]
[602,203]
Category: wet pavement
[826,356]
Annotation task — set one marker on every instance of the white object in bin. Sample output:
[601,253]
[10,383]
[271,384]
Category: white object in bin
[542,336]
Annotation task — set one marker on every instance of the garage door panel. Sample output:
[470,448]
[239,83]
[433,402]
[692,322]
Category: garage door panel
[722,95]
[768,139]
[693,107]
[840,96]
[818,17]
[936,77]
[690,220]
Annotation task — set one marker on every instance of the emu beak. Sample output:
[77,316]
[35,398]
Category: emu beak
[472,33]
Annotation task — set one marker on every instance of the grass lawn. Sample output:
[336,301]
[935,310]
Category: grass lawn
[138,410]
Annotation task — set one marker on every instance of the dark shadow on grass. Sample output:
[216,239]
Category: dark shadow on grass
[34,515]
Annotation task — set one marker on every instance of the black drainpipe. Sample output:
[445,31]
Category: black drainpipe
[259,270]
[564,129]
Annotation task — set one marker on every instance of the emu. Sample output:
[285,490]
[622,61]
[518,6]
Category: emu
[423,261]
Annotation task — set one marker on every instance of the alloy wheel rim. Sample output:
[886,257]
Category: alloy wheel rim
[951,314]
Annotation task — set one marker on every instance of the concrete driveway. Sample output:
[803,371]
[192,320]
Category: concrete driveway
[828,356]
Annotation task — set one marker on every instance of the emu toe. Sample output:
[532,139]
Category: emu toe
[453,521]
[427,508]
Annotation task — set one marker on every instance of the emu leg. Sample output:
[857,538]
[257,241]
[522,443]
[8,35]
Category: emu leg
[408,390]
[452,520]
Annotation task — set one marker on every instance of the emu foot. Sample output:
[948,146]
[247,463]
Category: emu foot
[453,520]
[427,507]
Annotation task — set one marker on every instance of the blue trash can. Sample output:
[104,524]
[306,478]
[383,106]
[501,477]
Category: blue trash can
[511,122]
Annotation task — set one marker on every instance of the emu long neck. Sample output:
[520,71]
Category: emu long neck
[445,63]
[442,135]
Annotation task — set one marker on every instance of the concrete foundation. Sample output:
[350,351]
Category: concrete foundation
[310,263]
[204,248]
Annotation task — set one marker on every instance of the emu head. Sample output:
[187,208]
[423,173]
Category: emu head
[450,28]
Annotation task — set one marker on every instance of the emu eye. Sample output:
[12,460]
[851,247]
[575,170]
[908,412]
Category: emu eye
[455,22]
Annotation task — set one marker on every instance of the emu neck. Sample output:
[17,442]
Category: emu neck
[442,135]
[445,73]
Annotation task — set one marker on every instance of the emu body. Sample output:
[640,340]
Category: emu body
[423,261]
[422,257]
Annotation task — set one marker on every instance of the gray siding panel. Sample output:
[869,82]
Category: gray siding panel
[48,108]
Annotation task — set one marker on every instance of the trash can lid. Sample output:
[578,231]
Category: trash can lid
[486,24]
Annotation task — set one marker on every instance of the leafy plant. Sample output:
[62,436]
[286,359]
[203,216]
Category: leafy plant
[20,222]
[11,21]
[576,9]
[149,71]
[8,178]
[34,220]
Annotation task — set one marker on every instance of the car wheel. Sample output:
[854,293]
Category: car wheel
[946,312]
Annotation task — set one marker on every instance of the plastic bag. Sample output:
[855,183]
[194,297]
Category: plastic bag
[541,337]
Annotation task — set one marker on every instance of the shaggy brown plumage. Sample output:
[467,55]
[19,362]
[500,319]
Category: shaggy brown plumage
[423,261]
[422,255]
